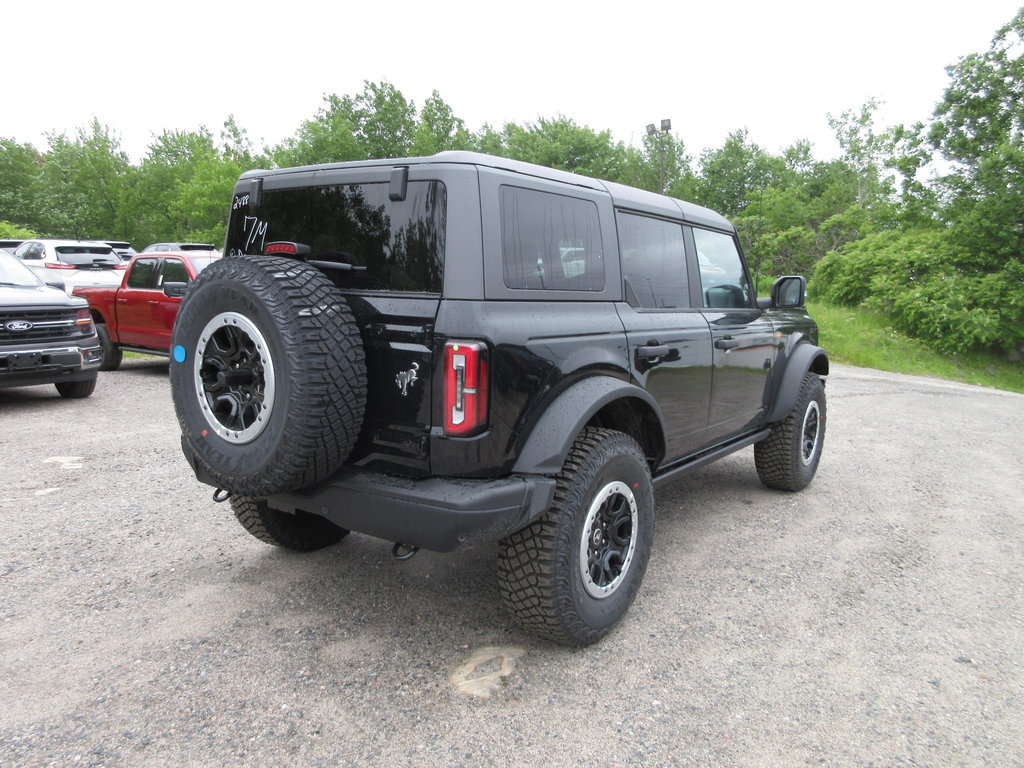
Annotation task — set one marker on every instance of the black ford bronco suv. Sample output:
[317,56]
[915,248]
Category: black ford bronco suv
[459,348]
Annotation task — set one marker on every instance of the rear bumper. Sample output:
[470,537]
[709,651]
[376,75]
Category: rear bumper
[436,513]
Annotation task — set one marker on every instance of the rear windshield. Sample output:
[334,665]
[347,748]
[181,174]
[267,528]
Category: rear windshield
[197,247]
[86,254]
[395,245]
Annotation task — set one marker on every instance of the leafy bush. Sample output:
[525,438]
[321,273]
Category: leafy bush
[929,290]
[10,231]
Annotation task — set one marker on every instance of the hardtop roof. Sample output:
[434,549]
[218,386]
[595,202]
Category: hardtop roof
[622,196]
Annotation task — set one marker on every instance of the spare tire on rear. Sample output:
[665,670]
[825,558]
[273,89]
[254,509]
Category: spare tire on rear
[268,375]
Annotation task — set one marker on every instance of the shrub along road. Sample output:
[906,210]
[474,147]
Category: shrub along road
[875,618]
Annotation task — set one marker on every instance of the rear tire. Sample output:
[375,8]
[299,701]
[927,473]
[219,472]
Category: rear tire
[301,532]
[788,458]
[573,573]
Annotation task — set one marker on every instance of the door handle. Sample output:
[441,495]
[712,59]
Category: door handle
[651,351]
[727,343]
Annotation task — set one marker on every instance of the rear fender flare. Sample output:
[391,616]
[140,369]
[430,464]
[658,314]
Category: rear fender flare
[552,437]
[806,357]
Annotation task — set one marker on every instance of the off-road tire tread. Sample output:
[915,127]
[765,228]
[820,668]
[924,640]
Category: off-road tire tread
[527,574]
[328,375]
[300,532]
[777,457]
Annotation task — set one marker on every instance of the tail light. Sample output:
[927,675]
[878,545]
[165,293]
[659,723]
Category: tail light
[465,388]
[58,265]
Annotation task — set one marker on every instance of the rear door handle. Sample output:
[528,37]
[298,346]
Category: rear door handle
[651,351]
[727,343]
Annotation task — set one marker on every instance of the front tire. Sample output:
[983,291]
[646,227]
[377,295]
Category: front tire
[300,532]
[112,353]
[573,573]
[74,390]
[788,458]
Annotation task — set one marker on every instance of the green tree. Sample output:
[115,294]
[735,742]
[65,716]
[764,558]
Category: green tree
[78,190]
[866,152]
[19,168]
[438,129]
[731,176]
[559,143]
[978,128]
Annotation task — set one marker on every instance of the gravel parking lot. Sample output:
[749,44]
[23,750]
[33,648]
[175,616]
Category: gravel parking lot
[876,618]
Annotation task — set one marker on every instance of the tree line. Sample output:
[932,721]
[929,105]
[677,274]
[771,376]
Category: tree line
[923,222]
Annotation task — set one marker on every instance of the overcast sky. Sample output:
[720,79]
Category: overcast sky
[776,68]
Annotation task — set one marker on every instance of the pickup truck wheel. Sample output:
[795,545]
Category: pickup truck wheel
[788,458]
[267,375]
[572,573]
[76,389]
[112,353]
[301,532]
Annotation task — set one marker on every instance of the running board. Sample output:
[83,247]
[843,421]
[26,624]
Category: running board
[714,454]
[144,350]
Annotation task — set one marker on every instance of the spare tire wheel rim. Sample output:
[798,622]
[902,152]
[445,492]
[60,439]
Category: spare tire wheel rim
[234,378]
[608,540]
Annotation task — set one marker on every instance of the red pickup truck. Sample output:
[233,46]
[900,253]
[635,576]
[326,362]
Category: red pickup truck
[139,314]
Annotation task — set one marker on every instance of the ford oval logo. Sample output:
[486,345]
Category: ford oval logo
[17,326]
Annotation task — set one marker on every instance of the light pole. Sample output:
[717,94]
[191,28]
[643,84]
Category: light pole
[666,126]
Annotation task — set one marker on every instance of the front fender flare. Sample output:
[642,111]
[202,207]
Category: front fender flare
[806,357]
[552,437]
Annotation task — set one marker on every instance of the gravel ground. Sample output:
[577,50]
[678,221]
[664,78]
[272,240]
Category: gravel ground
[875,619]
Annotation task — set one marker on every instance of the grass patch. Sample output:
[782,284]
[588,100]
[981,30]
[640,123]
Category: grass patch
[867,339]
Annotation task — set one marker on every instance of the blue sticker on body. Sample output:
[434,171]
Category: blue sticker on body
[179,354]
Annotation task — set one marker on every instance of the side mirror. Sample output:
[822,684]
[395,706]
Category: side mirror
[789,291]
[57,284]
[175,290]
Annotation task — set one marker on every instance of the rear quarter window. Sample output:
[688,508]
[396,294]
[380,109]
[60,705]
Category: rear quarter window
[550,241]
[396,246]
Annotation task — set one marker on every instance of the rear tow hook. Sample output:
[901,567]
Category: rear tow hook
[220,495]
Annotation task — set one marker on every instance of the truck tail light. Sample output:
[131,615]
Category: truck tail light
[465,388]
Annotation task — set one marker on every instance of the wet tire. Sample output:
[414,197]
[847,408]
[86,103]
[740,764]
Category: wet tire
[74,390]
[788,458]
[301,532]
[572,574]
[267,375]
[112,353]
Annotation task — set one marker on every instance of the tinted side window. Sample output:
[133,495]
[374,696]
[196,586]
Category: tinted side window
[30,251]
[722,277]
[399,243]
[174,272]
[653,262]
[143,273]
[550,242]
